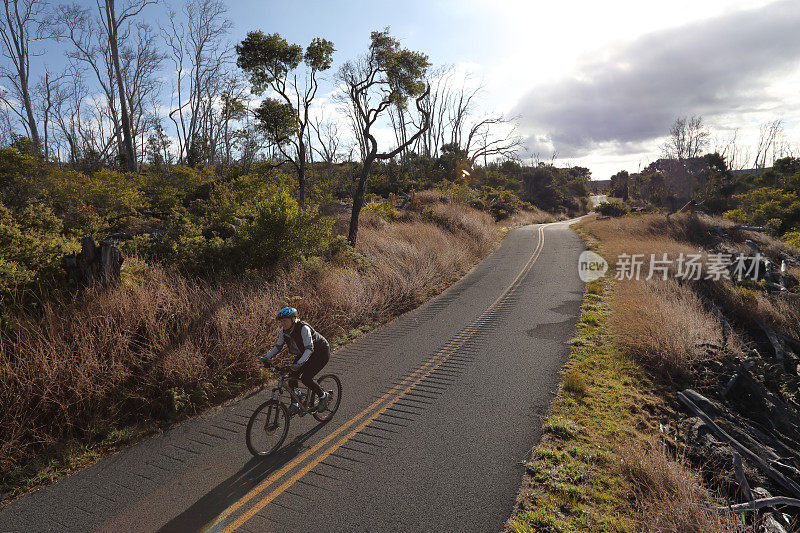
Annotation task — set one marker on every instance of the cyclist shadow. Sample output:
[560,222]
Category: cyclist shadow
[254,471]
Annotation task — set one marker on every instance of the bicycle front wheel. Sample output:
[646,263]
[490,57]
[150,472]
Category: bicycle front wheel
[332,384]
[267,428]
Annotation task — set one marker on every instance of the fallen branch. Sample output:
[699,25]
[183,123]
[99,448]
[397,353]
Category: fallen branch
[759,504]
[790,486]
[782,418]
[739,470]
[780,353]
[745,227]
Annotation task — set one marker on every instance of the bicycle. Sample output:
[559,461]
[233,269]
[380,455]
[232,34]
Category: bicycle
[269,423]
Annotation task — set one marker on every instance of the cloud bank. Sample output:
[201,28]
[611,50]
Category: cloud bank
[629,96]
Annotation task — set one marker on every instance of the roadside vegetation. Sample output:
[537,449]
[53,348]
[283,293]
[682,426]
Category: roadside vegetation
[617,452]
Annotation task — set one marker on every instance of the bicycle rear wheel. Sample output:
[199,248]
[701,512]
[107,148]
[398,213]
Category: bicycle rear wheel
[332,384]
[267,428]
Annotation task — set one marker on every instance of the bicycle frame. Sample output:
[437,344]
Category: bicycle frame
[278,391]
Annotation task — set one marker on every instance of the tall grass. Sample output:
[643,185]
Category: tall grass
[669,497]
[162,344]
[666,326]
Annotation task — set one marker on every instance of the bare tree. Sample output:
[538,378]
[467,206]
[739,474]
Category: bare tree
[736,157]
[21,26]
[329,140]
[454,121]
[90,49]
[113,23]
[492,137]
[388,75]
[6,129]
[46,92]
[460,107]
[688,138]
[200,57]
[141,61]
[437,106]
[234,108]
[769,135]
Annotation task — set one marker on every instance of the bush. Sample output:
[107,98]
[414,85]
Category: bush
[777,209]
[612,209]
[502,203]
[792,238]
[167,190]
[278,230]
[235,238]
[31,247]
[440,219]
[383,210]
[341,252]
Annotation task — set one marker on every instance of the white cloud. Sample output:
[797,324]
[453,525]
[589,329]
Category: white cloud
[737,69]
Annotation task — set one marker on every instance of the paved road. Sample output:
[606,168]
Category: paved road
[440,408]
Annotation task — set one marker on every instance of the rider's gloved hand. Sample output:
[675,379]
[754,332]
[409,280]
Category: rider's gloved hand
[295,367]
[265,362]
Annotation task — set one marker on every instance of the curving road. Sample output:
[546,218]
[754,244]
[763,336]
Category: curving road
[440,408]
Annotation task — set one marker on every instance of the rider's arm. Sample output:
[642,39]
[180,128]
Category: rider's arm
[275,349]
[308,344]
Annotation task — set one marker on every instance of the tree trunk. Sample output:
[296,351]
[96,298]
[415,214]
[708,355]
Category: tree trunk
[358,199]
[34,131]
[301,170]
[127,139]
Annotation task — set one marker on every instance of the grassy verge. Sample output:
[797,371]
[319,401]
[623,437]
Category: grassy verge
[601,464]
[574,478]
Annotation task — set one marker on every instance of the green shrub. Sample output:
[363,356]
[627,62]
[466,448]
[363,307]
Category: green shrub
[31,247]
[778,209]
[774,225]
[612,209]
[444,221]
[341,252]
[383,210]
[169,189]
[502,203]
[792,238]
[278,230]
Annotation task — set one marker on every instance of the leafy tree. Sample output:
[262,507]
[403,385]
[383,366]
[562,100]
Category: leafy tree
[787,166]
[271,63]
[387,75]
[619,185]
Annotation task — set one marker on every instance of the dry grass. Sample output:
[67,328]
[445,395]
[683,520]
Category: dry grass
[669,496]
[534,216]
[654,320]
[781,312]
[161,345]
[665,326]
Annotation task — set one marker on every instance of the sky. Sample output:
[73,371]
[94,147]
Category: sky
[598,84]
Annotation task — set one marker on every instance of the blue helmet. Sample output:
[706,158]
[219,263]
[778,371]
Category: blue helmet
[287,312]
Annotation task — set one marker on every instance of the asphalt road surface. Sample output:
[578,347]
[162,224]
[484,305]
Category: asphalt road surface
[440,408]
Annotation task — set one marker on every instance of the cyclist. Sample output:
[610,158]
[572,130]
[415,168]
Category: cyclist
[311,349]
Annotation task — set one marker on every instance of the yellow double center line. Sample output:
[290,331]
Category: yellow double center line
[368,415]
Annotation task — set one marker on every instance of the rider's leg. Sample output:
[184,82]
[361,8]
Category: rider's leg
[293,378]
[315,363]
